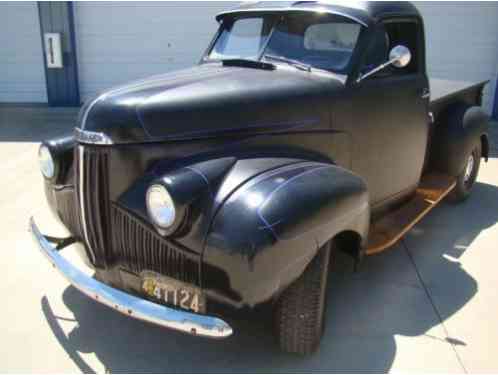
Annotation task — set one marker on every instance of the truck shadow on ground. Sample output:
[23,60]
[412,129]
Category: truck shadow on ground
[366,310]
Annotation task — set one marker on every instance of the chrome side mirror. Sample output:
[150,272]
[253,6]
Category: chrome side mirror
[400,57]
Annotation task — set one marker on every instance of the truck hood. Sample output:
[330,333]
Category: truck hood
[210,100]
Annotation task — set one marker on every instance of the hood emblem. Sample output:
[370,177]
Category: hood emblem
[92,138]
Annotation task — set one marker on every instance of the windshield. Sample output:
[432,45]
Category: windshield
[319,41]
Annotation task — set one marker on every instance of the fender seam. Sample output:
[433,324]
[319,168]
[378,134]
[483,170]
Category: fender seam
[204,178]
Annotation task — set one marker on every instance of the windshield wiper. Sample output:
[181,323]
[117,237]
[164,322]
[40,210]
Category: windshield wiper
[248,63]
[295,63]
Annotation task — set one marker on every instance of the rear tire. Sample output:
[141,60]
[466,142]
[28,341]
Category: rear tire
[299,313]
[468,177]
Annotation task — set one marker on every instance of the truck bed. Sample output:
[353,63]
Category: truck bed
[444,90]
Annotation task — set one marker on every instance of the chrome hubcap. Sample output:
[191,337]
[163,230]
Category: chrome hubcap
[469,169]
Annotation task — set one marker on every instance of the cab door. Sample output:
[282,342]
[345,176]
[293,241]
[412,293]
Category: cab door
[389,119]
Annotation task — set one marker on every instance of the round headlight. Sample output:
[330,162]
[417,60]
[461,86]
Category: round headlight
[160,206]
[47,165]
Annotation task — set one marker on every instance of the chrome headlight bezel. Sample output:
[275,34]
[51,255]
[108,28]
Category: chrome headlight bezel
[61,153]
[47,162]
[161,207]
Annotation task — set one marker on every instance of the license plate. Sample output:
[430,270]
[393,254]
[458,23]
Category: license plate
[172,292]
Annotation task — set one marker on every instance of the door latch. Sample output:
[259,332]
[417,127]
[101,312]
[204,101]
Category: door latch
[426,93]
[431,117]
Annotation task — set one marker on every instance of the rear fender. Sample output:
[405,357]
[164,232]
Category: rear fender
[457,131]
[268,230]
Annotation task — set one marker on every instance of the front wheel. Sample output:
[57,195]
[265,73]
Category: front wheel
[300,310]
[468,177]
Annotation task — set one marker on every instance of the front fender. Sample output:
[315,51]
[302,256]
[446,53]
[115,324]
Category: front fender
[268,230]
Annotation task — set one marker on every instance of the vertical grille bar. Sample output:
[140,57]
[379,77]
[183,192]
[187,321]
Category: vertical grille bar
[93,197]
[67,203]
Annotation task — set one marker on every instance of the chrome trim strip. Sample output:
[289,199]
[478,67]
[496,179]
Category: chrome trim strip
[90,106]
[127,304]
[81,191]
[92,138]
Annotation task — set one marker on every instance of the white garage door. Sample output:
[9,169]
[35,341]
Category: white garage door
[22,75]
[462,42]
[119,42]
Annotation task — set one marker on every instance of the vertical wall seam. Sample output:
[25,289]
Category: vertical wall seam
[74,54]
[494,110]
[43,51]
[62,84]
[495,101]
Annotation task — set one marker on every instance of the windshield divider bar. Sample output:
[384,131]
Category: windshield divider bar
[263,49]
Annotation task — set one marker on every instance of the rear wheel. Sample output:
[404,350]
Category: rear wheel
[468,177]
[300,311]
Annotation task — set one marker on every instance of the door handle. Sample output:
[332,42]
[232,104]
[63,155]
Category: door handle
[426,93]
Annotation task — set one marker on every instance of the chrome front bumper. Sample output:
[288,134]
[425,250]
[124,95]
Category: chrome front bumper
[127,304]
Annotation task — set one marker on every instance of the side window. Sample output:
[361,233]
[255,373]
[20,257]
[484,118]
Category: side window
[320,40]
[331,37]
[387,36]
[407,34]
[330,44]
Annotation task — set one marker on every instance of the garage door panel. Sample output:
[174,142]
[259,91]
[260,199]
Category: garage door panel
[24,52]
[119,42]
[113,49]
[19,92]
[462,41]
[131,16]
[158,19]
[131,72]
[22,75]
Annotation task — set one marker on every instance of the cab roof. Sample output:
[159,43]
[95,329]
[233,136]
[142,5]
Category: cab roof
[366,13]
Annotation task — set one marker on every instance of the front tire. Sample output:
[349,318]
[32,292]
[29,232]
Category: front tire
[468,177]
[299,313]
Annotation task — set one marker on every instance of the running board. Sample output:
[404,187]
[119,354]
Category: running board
[389,229]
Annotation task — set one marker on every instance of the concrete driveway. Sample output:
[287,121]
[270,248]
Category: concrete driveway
[429,304]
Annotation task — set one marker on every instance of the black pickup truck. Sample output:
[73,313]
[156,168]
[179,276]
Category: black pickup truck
[307,128]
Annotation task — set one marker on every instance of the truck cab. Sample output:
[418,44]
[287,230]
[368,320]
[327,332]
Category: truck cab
[307,128]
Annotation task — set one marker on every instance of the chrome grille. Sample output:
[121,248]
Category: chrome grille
[114,236]
[140,248]
[67,207]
